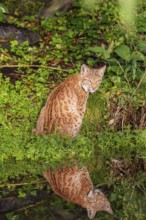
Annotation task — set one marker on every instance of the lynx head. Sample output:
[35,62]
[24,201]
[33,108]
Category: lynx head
[97,201]
[91,78]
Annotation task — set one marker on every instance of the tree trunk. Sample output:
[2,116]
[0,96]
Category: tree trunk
[52,6]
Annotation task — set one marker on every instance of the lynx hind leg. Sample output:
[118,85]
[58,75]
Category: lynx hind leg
[40,123]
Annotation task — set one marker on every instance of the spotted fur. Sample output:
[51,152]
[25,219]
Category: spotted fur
[74,185]
[66,104]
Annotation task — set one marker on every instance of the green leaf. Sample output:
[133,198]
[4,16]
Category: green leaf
[138,56]
[124,52]
[105,53]
[113,197]
[1,16]
[142,46]
[3,8]
[116,69]
[97,49]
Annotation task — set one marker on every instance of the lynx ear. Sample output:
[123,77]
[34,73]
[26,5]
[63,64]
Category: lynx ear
[91,213]
[84,70]
[101,71]
[91,196]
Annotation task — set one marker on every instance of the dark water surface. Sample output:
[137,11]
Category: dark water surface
[56,213]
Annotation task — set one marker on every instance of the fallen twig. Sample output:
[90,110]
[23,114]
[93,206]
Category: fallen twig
[33,65]
[21,184]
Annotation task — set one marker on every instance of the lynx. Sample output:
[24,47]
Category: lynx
[74,185]
[66,104]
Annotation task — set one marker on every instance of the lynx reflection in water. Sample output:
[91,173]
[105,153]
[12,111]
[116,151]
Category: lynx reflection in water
[74,185]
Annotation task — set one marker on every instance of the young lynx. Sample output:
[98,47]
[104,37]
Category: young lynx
[66,105]
[74,185]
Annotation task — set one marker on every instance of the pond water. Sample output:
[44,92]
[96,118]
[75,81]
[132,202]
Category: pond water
[41,212]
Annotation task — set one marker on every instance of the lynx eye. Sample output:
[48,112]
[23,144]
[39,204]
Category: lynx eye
[88,80]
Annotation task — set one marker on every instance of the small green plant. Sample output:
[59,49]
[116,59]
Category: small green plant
[3,10]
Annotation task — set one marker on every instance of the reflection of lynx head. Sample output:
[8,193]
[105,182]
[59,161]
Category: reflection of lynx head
[91,78]
[97,201]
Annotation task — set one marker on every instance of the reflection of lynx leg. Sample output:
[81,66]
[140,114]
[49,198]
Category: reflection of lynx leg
[40,123]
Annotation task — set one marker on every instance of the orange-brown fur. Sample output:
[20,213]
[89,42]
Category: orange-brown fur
[66,105]
[74,185]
